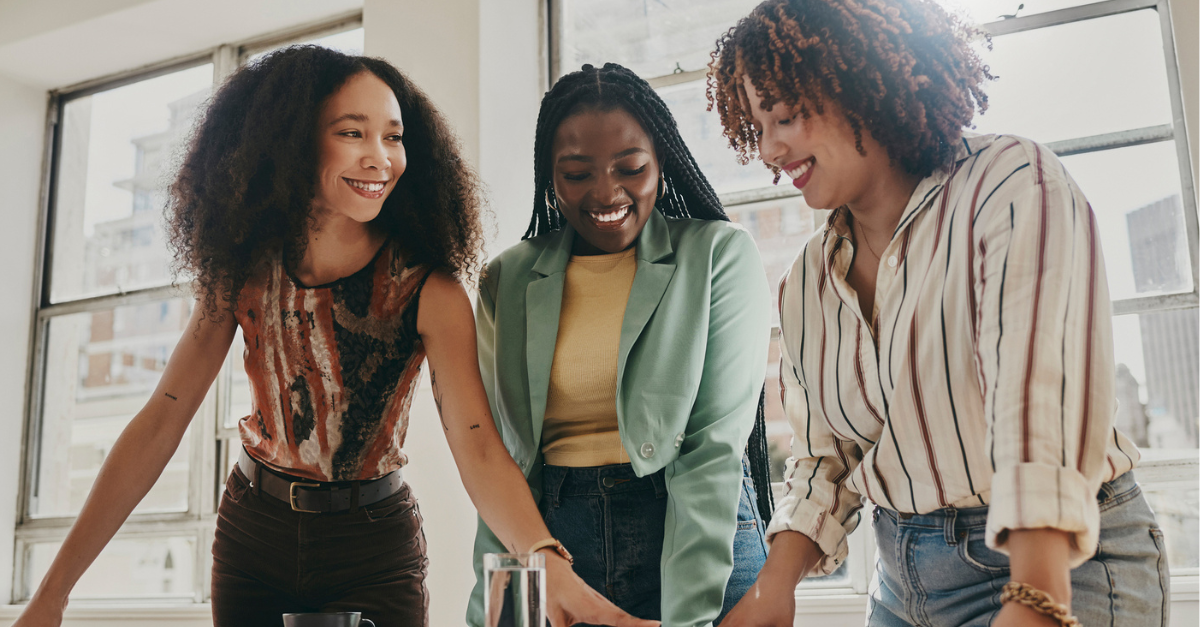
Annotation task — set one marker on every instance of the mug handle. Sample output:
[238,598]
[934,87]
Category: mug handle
[366,622]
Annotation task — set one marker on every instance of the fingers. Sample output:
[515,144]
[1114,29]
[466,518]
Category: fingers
[630,621]
[619,618]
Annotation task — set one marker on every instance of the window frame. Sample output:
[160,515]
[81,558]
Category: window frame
[1167,469]
[209,444]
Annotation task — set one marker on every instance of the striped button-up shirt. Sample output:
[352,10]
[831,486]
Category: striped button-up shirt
[985,374]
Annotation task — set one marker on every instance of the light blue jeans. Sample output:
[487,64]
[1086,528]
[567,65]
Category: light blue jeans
[935,569]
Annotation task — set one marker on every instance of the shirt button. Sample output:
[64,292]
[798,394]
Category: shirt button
[647,450]
[679,440]
[892,261]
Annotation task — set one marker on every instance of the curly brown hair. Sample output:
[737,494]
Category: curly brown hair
[903,70]
[247,182]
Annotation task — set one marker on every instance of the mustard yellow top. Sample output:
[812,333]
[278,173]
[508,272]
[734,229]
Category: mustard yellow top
[580,428]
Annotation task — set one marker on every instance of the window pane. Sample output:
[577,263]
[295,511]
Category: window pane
[702,132]
[118,154]
[780,228]
[651,38]
[126,568]
[1178,513]
[1136,196]
[1072,81]
[100,369]
[349,42]
[1157,357]
[779,431]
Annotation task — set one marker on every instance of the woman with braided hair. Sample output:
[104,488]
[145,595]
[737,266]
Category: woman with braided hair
[946,347]
[623,346]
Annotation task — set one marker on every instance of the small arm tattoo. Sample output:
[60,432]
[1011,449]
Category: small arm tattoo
[171,396]
[437,397]
[474,426]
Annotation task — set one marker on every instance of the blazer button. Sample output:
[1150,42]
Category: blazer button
[679,440]
[647,450]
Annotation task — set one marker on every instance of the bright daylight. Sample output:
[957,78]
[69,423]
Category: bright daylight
[538,313]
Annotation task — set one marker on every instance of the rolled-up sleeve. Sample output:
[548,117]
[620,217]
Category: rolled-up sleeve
[818,503]
[1045,355]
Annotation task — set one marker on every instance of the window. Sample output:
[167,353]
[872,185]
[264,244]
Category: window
[1108,111]
[108,319]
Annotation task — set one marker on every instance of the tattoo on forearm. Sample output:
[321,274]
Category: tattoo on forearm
[171,396]
[474,426]
[437,398]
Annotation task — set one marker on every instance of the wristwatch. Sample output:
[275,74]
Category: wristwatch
[553,543]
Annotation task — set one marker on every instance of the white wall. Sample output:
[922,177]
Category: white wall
[478,60]
[22,125]
[38,48]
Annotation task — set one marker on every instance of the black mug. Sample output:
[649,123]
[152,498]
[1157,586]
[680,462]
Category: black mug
[329,619]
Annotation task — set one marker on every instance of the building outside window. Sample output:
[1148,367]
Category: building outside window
[109,318]
[1112,113]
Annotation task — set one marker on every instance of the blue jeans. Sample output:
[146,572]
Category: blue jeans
[612,523]
[935,569]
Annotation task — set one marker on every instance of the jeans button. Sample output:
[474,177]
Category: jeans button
[608,482]
[647,450]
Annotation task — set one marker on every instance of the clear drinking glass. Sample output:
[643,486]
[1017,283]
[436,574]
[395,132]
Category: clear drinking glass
[514,587]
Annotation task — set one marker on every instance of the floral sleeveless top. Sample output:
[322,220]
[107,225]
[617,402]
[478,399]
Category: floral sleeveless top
[332,368]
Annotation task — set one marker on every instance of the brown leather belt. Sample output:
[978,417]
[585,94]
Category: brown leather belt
[318,497]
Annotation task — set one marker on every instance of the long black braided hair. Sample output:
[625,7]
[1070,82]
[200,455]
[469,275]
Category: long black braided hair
[687,193]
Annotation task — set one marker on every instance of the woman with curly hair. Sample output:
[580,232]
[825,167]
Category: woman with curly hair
[946,338]
[623,345]
[323,208]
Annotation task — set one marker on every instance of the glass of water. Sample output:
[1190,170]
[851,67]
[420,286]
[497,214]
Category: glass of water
[514,589]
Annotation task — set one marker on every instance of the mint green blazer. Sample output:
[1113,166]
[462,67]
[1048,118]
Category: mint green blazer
[691,363]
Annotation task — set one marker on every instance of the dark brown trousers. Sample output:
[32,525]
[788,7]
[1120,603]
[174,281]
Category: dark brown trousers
[268,560]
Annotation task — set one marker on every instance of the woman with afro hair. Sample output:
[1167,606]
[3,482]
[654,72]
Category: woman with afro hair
[323,207]
[947,348]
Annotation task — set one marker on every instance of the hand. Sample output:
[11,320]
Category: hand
[1017,615]
[572,601]
[41,613]
[766,604]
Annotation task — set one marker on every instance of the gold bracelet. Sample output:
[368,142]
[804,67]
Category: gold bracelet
[553,543]
[1039,602]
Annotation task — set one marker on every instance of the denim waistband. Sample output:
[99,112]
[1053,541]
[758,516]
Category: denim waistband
[950,518]
[560,481]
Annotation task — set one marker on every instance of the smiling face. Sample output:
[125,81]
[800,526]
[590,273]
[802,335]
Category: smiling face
[605,176]
[360,153]
[818,154]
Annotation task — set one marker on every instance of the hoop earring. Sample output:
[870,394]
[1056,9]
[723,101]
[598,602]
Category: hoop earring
[551,206]
[662,184]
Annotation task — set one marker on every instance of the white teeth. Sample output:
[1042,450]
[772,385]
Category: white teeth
[800,170]
[611,217]
[370,187]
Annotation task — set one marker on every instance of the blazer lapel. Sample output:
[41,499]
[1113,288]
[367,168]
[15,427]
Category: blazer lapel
[654,273]
[543,303]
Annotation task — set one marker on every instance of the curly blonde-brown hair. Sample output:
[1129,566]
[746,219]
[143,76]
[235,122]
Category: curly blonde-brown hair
[904,71]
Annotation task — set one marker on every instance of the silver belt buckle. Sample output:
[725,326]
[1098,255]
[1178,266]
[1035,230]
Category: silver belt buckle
[292,495]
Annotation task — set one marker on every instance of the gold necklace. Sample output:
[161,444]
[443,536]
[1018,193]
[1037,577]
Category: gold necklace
[867,241]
